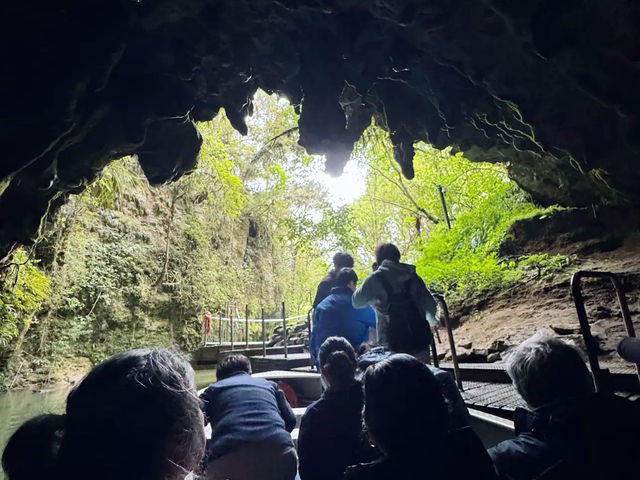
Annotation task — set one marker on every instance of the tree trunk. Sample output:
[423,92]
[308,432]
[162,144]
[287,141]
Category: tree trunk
[167,248]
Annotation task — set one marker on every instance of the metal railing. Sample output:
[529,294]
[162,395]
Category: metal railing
[234,318]
[600,376]
[452,344]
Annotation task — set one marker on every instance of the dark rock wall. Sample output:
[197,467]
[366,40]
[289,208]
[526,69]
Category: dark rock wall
[547,86]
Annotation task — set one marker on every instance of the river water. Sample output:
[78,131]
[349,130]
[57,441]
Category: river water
[16,407]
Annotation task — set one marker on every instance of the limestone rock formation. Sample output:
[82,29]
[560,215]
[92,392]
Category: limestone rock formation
[547,86]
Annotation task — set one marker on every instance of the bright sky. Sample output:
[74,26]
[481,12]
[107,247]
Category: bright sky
[346,188]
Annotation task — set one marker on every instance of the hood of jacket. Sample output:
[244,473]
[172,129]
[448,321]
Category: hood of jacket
[396,272]
[574,423]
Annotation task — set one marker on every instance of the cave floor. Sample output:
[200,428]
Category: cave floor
[508,317]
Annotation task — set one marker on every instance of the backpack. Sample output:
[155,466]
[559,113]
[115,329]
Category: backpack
[408,330]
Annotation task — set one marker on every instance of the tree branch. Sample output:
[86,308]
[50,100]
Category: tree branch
[400,184]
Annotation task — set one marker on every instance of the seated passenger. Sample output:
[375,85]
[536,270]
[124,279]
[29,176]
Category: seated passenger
[405,309]
[250,424]
[458,413]
[331,436]
[570,432]
[406,418]
[135,416]
[335,316]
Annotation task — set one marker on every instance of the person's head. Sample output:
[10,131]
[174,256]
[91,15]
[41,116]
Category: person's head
[546,369]
[404,407]
[232,363]
[337,361]
[387,251]
[135,416]
[374,266]
[342,260]
[347,277]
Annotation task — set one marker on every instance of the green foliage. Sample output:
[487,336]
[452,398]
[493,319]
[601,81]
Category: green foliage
[465,258]
[544,264]
[24,289]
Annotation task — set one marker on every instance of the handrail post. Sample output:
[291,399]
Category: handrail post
[311,361]
[246,326]
[589,342]
[434,354]
[231,322]
[452,343]
[264,343]
[219,327]
[284,331]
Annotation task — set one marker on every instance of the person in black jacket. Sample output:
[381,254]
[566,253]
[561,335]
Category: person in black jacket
[570,432]
[406,418]
[331,436]
[340,260]
[251,422]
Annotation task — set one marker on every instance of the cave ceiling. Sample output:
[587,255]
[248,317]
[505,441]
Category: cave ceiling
[549,87]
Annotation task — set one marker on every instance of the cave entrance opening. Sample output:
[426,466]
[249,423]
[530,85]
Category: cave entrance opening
[125,263]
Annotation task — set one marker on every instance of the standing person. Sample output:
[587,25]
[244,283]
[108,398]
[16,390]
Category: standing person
[331,435]
[251,423]
[340,260]
[405,309]
[406,419]
[336,316]
[135,416]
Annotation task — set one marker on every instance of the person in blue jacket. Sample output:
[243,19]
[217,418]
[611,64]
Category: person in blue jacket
[335,316]
[251,422]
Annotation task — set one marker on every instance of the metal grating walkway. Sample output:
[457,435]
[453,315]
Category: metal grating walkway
[493,396]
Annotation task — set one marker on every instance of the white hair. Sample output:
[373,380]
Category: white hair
[545,369]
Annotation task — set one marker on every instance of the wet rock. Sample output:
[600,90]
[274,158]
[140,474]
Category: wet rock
[499,346]
[465,345]
[565,329]
[472,356]
[569,134]
[494,357]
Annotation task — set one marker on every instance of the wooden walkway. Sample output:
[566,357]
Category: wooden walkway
[485,386]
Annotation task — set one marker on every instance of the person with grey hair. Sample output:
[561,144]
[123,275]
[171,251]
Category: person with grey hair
[568,431]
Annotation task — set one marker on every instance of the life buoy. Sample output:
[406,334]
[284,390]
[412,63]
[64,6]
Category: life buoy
[206,323]
[289,393]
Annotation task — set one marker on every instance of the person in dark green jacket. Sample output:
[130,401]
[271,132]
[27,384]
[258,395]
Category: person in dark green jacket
[398,276]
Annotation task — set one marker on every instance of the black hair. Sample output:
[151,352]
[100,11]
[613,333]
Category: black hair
[342,260]
[232,363]
[345,276]
[337,357]
[387,251]
[404,407]
[135,416]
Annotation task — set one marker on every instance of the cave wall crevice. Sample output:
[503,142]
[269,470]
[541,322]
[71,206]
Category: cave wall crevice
[547,87]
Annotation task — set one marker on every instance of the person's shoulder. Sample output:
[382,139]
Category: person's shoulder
[329,278]
[325,303]
[512,450]
[312,411]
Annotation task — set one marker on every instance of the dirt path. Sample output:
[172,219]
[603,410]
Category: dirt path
[512,315]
